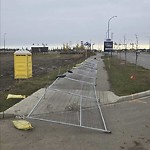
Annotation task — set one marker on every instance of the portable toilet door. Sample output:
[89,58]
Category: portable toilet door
[22,64]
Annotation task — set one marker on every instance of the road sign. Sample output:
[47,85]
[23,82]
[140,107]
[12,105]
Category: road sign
[108,46]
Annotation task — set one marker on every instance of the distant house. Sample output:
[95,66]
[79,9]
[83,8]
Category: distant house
[38,49]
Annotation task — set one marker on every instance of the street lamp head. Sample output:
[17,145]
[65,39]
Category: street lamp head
[112,17]
[108,24]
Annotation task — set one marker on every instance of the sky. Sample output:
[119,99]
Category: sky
[55,22]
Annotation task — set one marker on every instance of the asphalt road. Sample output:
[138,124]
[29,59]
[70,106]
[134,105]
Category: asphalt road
[128,121]
[143,59]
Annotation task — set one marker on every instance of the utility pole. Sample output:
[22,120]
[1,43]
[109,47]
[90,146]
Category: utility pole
[137,41]
[136,50]
[125,49]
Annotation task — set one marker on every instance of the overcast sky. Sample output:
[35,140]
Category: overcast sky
[55,22]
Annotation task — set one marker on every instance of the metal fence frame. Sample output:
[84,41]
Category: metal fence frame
[80,97]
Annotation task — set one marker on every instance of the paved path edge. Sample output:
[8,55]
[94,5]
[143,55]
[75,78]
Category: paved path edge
[134,96]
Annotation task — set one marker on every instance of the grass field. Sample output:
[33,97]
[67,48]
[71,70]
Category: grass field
[124,78]
[45,70]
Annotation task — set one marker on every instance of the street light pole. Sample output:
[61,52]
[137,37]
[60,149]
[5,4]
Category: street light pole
[109,24]
[0,22]
[4,41]
[149,42]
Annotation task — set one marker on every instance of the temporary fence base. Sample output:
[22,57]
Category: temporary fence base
[72,100]
[68,124]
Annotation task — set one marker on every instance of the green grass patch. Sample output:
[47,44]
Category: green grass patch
[120,76]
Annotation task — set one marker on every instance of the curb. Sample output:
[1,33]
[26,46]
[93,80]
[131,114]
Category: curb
[134,96]
[6,116]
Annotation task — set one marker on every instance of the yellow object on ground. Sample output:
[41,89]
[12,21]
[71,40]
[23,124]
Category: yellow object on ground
[22,124]
[15,96]
[78,65]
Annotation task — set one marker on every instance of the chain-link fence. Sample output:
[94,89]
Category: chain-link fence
[72,100]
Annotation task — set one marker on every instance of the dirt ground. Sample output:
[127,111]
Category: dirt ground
[41,64]
[45,68]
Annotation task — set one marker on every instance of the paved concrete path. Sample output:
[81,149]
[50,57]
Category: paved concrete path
[102,84]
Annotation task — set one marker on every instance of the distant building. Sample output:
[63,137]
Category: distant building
[38,49]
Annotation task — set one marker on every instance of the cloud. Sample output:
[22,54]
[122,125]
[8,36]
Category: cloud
[58,21]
